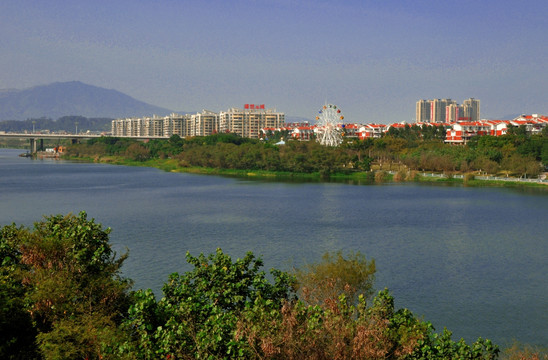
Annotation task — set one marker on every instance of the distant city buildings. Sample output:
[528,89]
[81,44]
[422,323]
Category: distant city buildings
[471,109]
[460,123]
[203,124]
[249,121]
[246,122]
[447,111]
[149,126]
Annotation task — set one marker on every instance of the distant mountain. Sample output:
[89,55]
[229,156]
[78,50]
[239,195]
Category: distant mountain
[72,98]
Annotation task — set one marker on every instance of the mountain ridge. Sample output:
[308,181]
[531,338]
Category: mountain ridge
[60,99]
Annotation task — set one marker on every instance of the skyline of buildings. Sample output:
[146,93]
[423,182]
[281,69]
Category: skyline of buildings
[460,123]
[246,122]
[249,121]
[447,111]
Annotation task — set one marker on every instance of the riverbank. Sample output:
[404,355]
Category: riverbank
[361,177]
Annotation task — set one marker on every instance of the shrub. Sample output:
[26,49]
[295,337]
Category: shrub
[336,274]
[468,177]
[198,315]
[68,280]
[380,176]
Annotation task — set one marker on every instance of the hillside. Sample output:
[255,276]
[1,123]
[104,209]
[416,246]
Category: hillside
[71,98]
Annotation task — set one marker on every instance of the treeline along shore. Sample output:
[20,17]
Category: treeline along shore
[401,155]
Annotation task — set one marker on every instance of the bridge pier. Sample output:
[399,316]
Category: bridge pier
[36,145]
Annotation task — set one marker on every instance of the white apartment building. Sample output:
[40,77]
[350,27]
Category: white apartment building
[204,123]
[176,124]
[154,126]
[245,122]
[127,127]
[249,121]
[150,126]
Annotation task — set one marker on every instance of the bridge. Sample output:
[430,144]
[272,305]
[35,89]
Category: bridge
[37,140]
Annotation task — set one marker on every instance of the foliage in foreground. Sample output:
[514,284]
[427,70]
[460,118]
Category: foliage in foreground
[225,309]
[200,310]
[336,274]
[63,298]
[524,352]
[65,292]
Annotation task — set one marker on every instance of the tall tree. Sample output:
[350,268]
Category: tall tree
[71,286]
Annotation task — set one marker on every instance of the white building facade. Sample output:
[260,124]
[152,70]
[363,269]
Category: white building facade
[249,121]
[246,122]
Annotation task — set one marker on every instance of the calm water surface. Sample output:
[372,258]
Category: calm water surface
[474,260]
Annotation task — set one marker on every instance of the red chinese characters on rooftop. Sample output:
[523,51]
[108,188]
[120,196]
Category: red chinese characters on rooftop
[254,107]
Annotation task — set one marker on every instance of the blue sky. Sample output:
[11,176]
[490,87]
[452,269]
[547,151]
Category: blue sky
[374,59]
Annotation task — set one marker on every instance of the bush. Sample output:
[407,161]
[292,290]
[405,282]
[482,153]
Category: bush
[524,352]
[198,315]
[68,280]
[468,177]
[380,176]
[336,274]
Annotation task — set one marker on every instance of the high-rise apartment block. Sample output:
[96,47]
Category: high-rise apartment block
[471,109]
[175,124]
[423,111]
[447,110]
[452,113]
[204,123]
[246,122]
[151,126]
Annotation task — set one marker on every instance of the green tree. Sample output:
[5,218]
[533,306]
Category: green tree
[137,152]
[199,312]
[17,333]
[517,130]
[352,275]
[544,153]
[71,286]
[342,331]
[520,165]
[441,346]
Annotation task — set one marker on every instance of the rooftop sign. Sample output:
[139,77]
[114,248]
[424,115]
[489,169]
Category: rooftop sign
[253,106]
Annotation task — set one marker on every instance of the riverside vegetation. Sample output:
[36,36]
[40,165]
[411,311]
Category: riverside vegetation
[400,155]
[62,296]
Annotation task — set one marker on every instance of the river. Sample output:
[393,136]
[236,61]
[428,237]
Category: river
[474,260]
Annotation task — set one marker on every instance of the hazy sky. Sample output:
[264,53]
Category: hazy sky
[374,59]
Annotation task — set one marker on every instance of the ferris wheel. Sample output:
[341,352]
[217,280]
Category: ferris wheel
[330,125]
